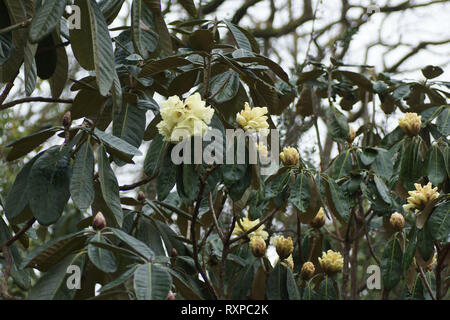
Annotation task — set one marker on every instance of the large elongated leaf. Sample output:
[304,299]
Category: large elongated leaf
[391,264]
[300,193]
[53,284]
[439,222]
[152,282]
[48,186]
[342,165]
[92,45]
[24,145]
[337,126]
[154,155]
[45,19]
[60,76]
[137,245]
[435,165]
[122,148]
[17,200]
[101,258]
[145,40]
[109,185]
[129,124]
[243,283]
[81,183]
[411,165]
[47,255]
[239,37]
[276,283]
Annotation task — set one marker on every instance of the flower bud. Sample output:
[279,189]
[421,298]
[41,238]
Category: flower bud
[67,119]
[99,221]
[141,196]
[351,134]
[258,246]
[171,296]
[289,156]
[410,123]
[319,220]
[397,221]
[331,262]
[307,270]
[284,246]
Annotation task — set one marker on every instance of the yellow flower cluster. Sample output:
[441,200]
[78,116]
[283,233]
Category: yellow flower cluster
[184,119]
[253,119]
[284,246]
[247,224]
[420,197]
[410,123]
[331,262]
[289,156]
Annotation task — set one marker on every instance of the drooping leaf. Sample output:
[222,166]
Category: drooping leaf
[45,19]
[82,184]
[26,144]
[300,193]
[435,165]
[391,264]
[109,185]
[134,243]
[101,258]
[48,185]
[152,282]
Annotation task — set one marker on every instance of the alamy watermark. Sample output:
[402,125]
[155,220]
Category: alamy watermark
[74,17]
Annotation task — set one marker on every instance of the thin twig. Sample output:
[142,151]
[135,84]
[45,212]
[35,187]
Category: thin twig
[34,99]
[427,285]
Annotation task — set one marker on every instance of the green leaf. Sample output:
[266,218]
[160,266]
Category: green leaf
[157,66]
[103,259]
[277,283]
[48,186]
[59,78]
[224,86]
[184,82]
[243,284]
[292,286]
[152,282]
[45,19]
[189,6]
[53,284]
[410,250]
[17,199]
[109,185]
[300,193]
[382,189]
[167,177]
[120,279]
[337,126]
[239,37]
[443,122]
[45,58]
[187,183]
[50,253]
[326,290]
[411,165]
[383,165]
[154,155]
[87,103]
[118,145]
[435,165]
[342,165]
[145,40]
[137,245]
[24,145]
[92,45]
[81,183]
[30,68]
[340,200]
[129,124]
[439,222]
[391,264]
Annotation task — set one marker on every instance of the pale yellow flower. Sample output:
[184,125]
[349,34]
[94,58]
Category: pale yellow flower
[253,119]
[352,134]
[289,156]
[247,224]
[410,123]
[184,119]
[331,262]
[420,197]
[258,246]
[284,246]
